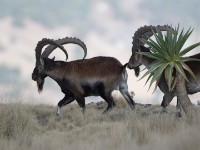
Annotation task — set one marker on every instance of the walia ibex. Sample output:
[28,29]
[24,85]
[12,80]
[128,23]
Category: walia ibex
[193,86]
[97,76]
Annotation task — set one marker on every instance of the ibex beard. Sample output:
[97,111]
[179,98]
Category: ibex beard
[39,78]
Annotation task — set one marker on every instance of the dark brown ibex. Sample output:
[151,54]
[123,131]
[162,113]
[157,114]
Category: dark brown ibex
[98,76]
[136,60]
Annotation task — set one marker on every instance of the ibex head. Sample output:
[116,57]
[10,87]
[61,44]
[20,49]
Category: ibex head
[39,74]
[143,32]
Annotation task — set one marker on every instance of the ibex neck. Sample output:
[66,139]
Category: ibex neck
[56,70]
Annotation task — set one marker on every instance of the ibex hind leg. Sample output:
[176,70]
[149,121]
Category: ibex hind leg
[109,99]
[66,100]
[124,91]
[81,103]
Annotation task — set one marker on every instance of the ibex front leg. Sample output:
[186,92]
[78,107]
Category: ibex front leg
[167,98]
[109,99]
[66,100]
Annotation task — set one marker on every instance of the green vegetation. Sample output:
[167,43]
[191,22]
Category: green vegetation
[36,127]
[170,62]
[169,56]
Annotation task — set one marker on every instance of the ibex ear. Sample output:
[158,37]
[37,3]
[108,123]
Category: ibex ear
[42,61]
[53,58]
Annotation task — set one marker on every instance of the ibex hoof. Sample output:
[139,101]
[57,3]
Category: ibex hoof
[164,110]
[178,115]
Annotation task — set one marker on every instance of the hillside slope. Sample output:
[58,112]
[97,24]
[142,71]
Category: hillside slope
[36,127]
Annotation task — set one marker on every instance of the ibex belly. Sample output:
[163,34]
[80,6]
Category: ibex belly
[93,88]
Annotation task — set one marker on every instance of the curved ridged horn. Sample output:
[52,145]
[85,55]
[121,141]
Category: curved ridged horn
[41,44]
[147,35]
[63,41]
[145,32]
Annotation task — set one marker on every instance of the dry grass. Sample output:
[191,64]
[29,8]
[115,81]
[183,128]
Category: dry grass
[26,127]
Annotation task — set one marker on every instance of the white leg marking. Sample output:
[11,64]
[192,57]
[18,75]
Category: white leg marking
[58,111]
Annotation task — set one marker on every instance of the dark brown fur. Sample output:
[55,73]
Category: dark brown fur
[98,76]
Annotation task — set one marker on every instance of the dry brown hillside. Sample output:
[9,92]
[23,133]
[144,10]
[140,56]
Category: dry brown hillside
[31,127]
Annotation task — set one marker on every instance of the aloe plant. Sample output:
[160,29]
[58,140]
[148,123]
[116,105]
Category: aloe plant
[169,56]
[168,52]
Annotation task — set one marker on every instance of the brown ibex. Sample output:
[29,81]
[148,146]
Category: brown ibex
[193,86]
[97,76]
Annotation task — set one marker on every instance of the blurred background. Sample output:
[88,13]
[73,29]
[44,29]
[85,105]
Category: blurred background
[105,26]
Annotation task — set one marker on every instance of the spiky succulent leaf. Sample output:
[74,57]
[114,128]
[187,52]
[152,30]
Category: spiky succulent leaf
[188,69]
[185,59]
[168,74]
[189,48]
[179,69]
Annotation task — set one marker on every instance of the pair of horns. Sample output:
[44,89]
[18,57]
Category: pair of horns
[146,32]
[54,44]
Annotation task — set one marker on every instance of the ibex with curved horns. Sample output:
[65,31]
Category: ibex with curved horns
[193,86]
[97,76]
